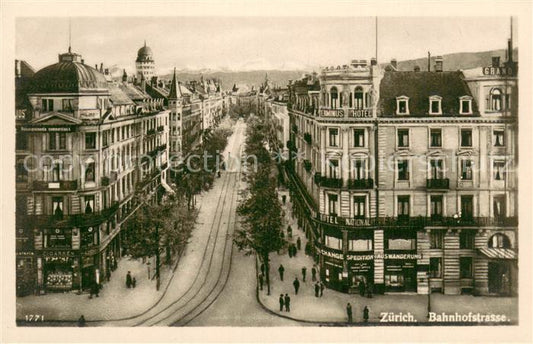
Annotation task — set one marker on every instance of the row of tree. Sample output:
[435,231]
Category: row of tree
[261,231]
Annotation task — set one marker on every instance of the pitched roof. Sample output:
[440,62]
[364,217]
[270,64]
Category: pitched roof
[118,96]
[133,92]
[173,93]
[419,86]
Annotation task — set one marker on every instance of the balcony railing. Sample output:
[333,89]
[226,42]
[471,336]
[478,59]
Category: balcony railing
[367,183]
[62,185]
[443,183]
[331,182]
[74,220]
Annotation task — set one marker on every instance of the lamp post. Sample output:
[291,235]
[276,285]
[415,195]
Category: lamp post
[429,294]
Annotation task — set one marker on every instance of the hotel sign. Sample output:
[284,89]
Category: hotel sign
[504,71]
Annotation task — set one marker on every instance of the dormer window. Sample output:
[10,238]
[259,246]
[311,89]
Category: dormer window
[402,105]
[465,105]
[435,105]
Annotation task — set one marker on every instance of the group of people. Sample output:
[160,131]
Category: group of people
[131,282]
[284,301]
[349,313]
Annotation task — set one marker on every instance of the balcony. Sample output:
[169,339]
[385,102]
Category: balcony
[367,183]
[161,128]
[331,182]
[73,220]
[63,185]
[434,184]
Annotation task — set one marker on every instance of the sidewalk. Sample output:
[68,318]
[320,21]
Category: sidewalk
[332,306]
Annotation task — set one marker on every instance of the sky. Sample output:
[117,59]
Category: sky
[253,43]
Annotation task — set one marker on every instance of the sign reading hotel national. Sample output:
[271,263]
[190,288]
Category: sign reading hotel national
[357,257]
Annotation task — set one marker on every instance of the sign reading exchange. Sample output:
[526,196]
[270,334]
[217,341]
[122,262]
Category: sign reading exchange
[362,257]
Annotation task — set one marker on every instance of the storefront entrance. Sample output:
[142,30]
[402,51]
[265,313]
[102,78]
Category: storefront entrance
[499,278]
[400,276]
[58,272]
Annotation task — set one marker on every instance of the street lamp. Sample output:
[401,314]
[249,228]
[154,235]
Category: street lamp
[429,293]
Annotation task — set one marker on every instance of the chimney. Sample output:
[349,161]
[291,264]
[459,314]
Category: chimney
[82,61]
[394,63]
[417,68]
[510,50]
[101,67]
[17,68]
[96,66]
[373,61]
[495,61]
[106,71]
[438,64]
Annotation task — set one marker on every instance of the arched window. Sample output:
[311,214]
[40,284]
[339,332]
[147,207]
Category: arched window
[495,99]
[499,240]
[334,95]
[358,98]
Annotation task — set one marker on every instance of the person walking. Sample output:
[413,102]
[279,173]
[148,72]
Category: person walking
[289,232]
[281,302]
[296,285]
[289,250]
[81,321]
[284,198]
[299,243]
[133,282]
[349,312]
[128,280]
[366,314]
[304,271]
[263,268]
[313,273]
[261,281]
[287,301]
[281,270]
[294,250]
[317,289]
[321,289]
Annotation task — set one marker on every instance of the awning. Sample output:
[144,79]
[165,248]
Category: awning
[498,253]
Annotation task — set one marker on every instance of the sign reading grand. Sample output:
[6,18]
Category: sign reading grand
[498,71]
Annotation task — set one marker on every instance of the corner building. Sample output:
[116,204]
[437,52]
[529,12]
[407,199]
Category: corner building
[405,180]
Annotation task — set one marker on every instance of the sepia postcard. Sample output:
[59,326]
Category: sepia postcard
[266,171]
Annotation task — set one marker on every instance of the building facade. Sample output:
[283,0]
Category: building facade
[405,180]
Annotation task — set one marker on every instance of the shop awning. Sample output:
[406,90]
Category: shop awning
[498,253]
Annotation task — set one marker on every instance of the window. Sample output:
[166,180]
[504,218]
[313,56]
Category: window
[89,204]
[67,105]
[466,137]
[333,137]
[403,169]
[104,138]
[436,169]
[47,105]
[403,206]
[436,239]
[498,169]
[358,169]
[403,137]
[498,206]
[435,267]
[57,171]
[332,204]
[435,138]
[436,207]
[88,237]
[402,105]
[498,138]
[57,141]
[465,105]
[21,141]
[465,267]
[90,140]
[360,245]
[89,172]
[466,239]
[435,105]
[333,242]
[22,172]
[467,206]
[466,169]
[358,137]
[358,98]
[359,207]
[401,244]
[334,98]
[495,100]
[499,240]
[57,206]
[333,168]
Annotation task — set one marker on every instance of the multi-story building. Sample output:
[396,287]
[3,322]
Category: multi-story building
[85,144]
[405,180]
[145,64]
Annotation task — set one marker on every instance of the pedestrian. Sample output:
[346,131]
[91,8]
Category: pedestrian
[281,270]
[133,282]
[289,232]
[128,280]
[349,312]
[261,280]
[317,289]
[108,275]
[296,285]
[362,287]
[287,303]
[304,271]
[294,250]
[313,273]
[308,248]
[81,321]
[281,302]
[365,314]
[369,290]
[299,243]
[262,268]
[289,250]
[284,198]
[321,289]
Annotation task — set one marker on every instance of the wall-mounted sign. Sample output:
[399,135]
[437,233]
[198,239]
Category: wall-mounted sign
[67,129]
[365,257]
[498,71]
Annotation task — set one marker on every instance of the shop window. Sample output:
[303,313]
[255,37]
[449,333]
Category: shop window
[499,240]
[359,207]
[498,169]
[68,104]
[360,245]
[436,239]
[90,140]
[332,204]
[403,206]
[47,105]
[394,280]
[327,275]
[467,207]
[466,137]
[466,169]
[334,137]
[498,138]
[57,206]
[498,207]
[436,206]
[403,138]
[403,169]
[89,204]
[435,267]
[466,239]
[358,137]
[57,141]
[465,267]
[436,138]
[333,242]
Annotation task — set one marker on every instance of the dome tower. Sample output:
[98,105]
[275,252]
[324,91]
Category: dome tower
[145,63]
